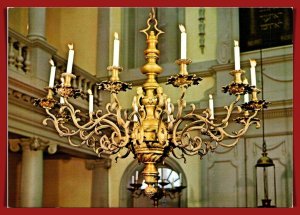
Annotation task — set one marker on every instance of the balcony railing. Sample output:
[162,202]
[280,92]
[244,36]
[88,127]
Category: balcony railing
[19,60]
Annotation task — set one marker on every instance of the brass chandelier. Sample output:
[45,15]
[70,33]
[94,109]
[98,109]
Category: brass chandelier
[153,130]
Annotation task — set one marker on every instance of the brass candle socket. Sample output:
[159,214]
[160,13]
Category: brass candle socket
[68,92]
[65,89]
[114,85]
[114,72]
[183,79]
[237,75]
[67,77]
[255,91]
[183,65]
[50,92]
[48,102]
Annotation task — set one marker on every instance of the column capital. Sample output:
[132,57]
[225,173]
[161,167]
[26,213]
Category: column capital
[98,163]
[33,143]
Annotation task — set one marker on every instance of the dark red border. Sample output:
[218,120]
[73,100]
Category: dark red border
[144,3]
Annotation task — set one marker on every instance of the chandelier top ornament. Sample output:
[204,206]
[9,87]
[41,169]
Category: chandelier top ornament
[152,25]
[154,129]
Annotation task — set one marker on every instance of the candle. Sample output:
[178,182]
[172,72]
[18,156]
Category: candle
[52,74]
[211,106]
[159,173]
[169,105]
[135,109]
[246,98]
[61,100]
[62,81]
[183,42]
[70,58]
[132,180]
[169,109]
[91,101]
[237,65]
[116,50]
[252,72]
[136,175]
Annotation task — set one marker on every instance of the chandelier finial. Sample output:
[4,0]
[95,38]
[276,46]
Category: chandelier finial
[152,25]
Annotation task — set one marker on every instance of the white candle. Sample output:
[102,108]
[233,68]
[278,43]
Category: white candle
[135,109]
[211,106]
[70,58]
[61,100]
[62,81]
[183,42]
[132,180]
[160,174]
[252,72]
[52,74]
[246,98]
[169,105]
[169,109]
[91,101]
[116,50]
[237,65]
[136,175]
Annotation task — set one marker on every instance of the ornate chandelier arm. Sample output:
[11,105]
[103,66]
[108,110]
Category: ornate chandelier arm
[59,124]
[242,131]
[181,104]
[229,109]
[73,113]
[117,107]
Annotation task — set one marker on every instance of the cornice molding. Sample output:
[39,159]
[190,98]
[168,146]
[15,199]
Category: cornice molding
[32,42]
[245,63]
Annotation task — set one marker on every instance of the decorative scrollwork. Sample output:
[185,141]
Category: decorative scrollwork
[184,80]
[238,88]
[114,86]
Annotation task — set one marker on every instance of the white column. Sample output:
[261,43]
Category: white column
[37,23]
[31,190]
[31,177]
[100,181]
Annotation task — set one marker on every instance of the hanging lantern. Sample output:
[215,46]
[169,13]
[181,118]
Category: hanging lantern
[265,181]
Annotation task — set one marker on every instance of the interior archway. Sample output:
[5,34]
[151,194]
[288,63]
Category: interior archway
[172,170]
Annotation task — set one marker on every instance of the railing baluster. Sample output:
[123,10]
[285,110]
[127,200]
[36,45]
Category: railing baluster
[20,58]
[11,52]
[27,62]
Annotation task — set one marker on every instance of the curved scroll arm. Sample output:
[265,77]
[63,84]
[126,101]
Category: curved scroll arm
[195,133]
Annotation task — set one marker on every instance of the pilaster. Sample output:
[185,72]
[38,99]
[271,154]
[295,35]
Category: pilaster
[100,181]
[37,21]
[31,191]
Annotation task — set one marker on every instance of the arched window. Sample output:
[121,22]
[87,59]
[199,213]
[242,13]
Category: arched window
[172,176]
